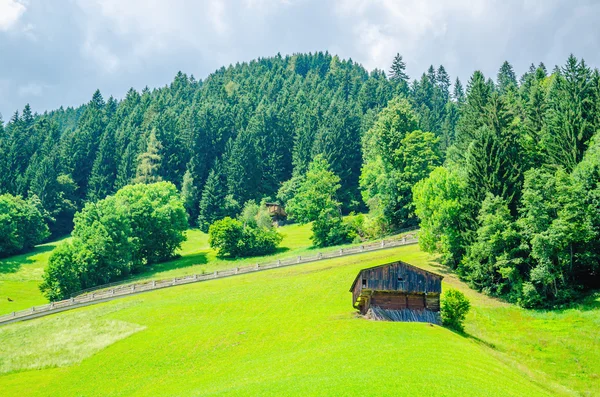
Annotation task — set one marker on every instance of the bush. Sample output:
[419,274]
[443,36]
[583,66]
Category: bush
[530,297]
[230,237]
[22,224]
[330,229]
[117,236]
[61,276]
[226,236]
[454,309]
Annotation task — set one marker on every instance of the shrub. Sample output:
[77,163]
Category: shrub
[530,297]
[117,236]
[22,224]
[330,229]
[226,237]
[61,277]
[261,241]
[230,237]
[454,309]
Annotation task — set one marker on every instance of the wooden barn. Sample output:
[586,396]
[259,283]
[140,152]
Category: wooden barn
[399,292]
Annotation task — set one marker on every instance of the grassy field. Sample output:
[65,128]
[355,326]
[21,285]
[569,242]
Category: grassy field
[292,331]
[19,279]
[20,275]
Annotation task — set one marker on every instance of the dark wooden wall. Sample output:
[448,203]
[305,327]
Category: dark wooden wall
[400,300]
[397,276]
[386,278]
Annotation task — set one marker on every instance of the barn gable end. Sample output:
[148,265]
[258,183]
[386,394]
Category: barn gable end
[398,290]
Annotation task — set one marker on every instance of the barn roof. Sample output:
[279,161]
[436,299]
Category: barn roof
[392,263]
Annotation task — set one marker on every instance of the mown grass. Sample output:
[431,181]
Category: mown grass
[67,340]
[293,331]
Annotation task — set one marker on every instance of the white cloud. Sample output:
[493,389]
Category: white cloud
[31,89]
[10,12]
[384,27]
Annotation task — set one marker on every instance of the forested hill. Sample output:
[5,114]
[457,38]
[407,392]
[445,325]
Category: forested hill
[503,178]
[233,137]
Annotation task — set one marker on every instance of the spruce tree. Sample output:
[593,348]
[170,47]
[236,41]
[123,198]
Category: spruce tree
[104,171]
[215,203]
[570,118]
[149,162]
[443,84]
[473,116]
[507,78]
[458,94]
[398,74]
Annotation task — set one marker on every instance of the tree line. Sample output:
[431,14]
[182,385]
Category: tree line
[516,206]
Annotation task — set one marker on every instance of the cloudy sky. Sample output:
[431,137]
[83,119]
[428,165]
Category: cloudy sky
[58,52]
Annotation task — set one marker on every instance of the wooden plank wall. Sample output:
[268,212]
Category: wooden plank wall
[387,278]
[399,301]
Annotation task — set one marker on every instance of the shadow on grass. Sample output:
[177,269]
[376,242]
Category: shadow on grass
[264,258]
[588,301]
[181,262]
[472,337]
[12,264]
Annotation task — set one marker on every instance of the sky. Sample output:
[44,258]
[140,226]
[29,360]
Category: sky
[59,52]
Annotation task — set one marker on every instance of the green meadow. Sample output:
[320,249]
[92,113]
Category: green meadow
[287,331]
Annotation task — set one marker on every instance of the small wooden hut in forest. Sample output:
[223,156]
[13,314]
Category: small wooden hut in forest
[398,292]
[277,213]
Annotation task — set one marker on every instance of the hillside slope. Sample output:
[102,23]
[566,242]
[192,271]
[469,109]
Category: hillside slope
[285,332]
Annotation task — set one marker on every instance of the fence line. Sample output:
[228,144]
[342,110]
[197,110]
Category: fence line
[105,292]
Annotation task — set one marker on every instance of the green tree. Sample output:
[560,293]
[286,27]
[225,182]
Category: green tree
[189,194]
[398,75]
[396,156]
[570,118]
[22,224]
[215,203]
[398,69]
[149,162]
[496,260]
[158,219]
[507,79]
[454,309]
[440,206]
[315,201]
[114,237]
[316,193]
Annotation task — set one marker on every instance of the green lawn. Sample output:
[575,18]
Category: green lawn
[19,279]
[20,275]
[293,331]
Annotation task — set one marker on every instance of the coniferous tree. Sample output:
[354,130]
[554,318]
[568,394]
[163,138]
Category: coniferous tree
[83,143]
[338,140]
[473,116]
[398,75]
[570,118]
[507,79]
[458,94]
[443,84]
[215,203]
[104,171]
[149,162]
